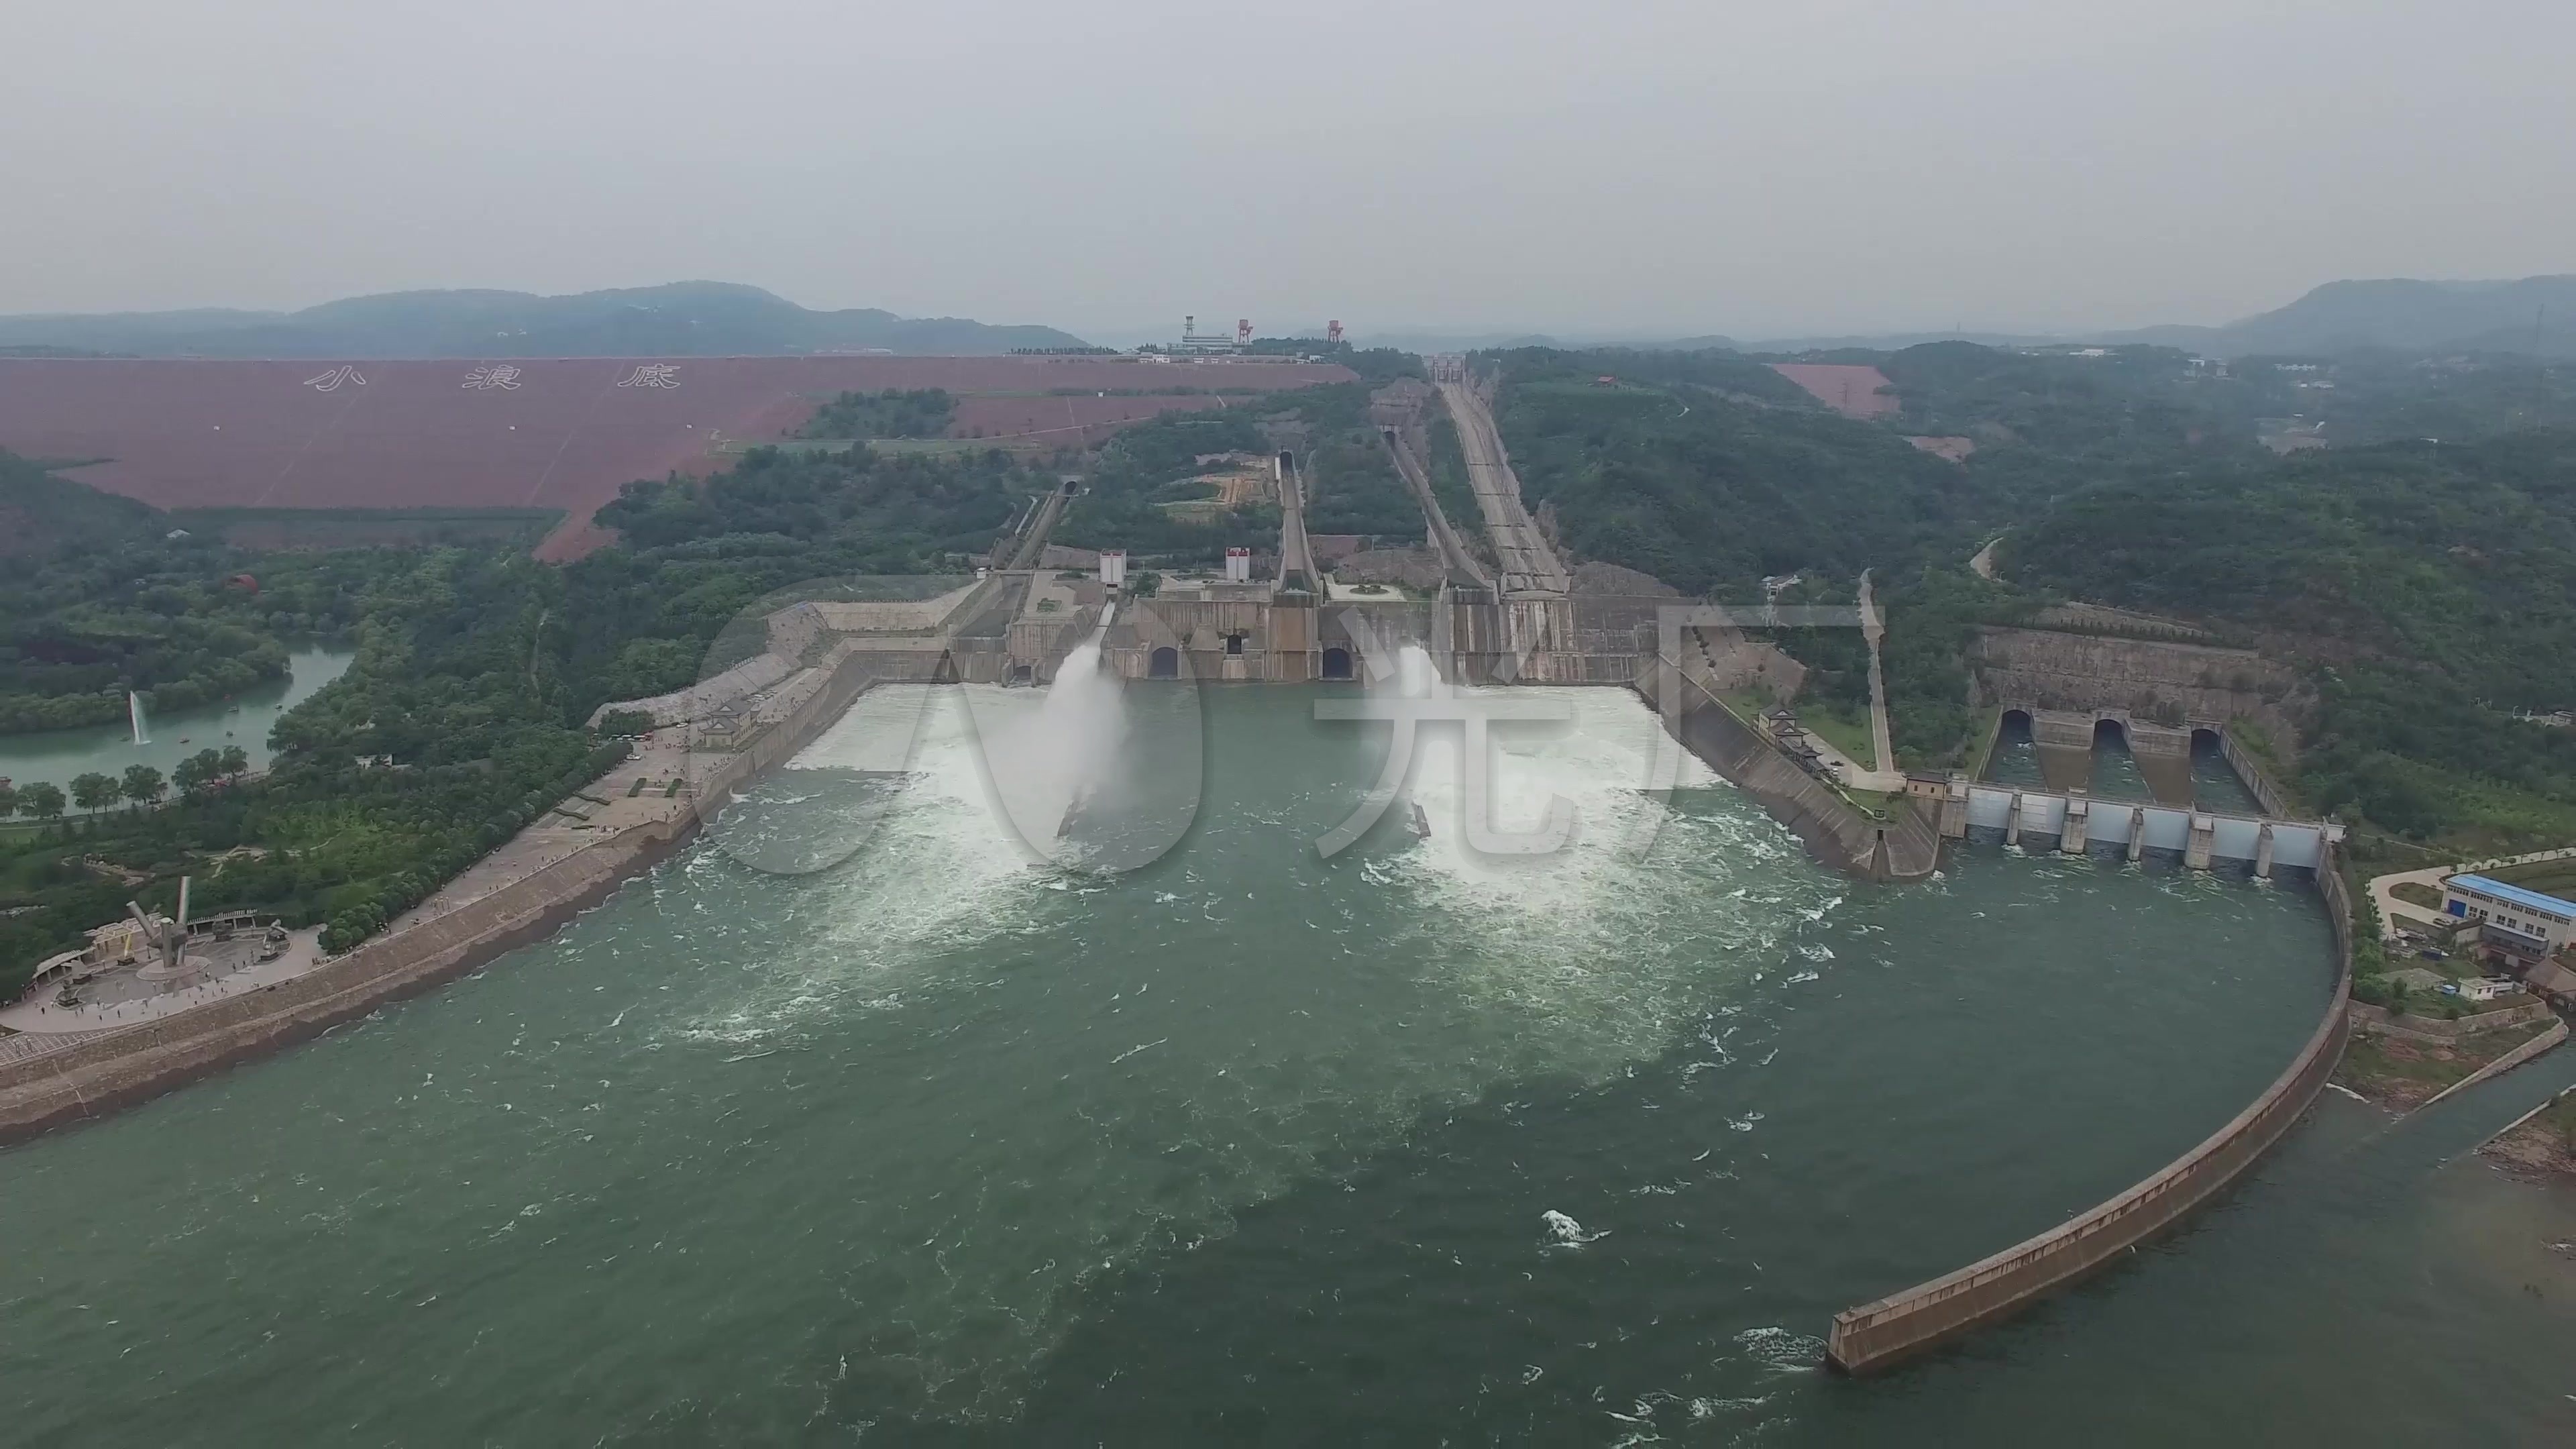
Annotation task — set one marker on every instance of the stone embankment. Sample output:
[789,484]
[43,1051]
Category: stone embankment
[1875,1335]
[2537,1046]
[1902,847]
[101,1072]
[2411,1027]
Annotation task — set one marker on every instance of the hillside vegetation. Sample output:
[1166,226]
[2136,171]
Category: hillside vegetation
[101,600]
[475,669]
[2432,589]
[1671,470]
[1142,472]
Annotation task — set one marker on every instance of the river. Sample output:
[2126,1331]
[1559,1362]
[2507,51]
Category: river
[853,1123]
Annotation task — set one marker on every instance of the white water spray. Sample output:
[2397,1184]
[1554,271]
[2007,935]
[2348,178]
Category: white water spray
[134,716]
[1046,766]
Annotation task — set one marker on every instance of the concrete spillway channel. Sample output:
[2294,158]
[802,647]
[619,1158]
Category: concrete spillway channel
[1025,549]
[1529,564]
[1296,556]
[1454,553]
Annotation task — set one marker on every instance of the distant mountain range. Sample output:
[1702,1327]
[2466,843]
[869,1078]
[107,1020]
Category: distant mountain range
[2532,315]
[706,319]
[682,319]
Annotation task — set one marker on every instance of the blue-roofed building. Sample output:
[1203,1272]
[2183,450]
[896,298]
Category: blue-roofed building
[2519,926]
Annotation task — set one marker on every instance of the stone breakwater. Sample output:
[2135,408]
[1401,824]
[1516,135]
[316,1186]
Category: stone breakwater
[102,1073]
[1875,1335]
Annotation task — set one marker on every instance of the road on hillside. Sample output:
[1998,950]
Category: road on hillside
[1529,565]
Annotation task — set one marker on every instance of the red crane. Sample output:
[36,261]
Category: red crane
[1333,333]
[1242,331]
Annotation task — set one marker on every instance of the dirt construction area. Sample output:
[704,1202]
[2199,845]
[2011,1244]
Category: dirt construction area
[1853,391]
[556,433]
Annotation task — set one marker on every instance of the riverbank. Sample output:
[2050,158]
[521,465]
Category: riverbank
[2541,1148]
[571,859]
[2404,1070]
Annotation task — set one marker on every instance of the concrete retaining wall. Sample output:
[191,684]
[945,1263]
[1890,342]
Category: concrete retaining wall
[2249,768]
[1875,1335]
[2163,682]
[1907,848]
[2437,1029]
[2543,1042]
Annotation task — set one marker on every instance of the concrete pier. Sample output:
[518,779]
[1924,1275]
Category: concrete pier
[1954,807]
[2200,836]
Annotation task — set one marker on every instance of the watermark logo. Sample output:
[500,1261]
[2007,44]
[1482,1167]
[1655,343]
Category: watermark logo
[1408,704]
[653,374]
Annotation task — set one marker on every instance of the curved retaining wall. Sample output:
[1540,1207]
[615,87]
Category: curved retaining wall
[1875,1335]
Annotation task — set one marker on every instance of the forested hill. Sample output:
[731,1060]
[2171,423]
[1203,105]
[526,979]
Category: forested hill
[2401,313]
[1710,471]
[2427,589]
[681,319]
[2431,588]
[101,596]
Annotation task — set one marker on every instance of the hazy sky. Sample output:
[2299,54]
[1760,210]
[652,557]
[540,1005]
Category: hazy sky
[1758,169]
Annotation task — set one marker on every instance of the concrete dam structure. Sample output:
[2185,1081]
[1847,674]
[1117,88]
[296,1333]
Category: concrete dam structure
[2076,823]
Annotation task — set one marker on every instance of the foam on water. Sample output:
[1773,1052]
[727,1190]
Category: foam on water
[933,872]
[1608,947]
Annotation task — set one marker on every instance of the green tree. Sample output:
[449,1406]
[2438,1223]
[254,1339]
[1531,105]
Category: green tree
[8,799]
[233,762]
[143,784]
[626,722]
[196,774]
[94,791]
[42,801]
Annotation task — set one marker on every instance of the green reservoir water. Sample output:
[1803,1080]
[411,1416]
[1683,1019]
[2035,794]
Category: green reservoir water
[57,755]
[853,1125]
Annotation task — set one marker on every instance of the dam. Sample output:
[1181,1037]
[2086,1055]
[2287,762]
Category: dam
[1008,1063]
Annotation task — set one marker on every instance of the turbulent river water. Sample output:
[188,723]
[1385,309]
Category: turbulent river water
[862,1121]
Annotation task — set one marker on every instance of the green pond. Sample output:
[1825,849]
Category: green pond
[58,755]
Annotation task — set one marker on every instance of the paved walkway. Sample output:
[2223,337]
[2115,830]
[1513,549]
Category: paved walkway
[119,999]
